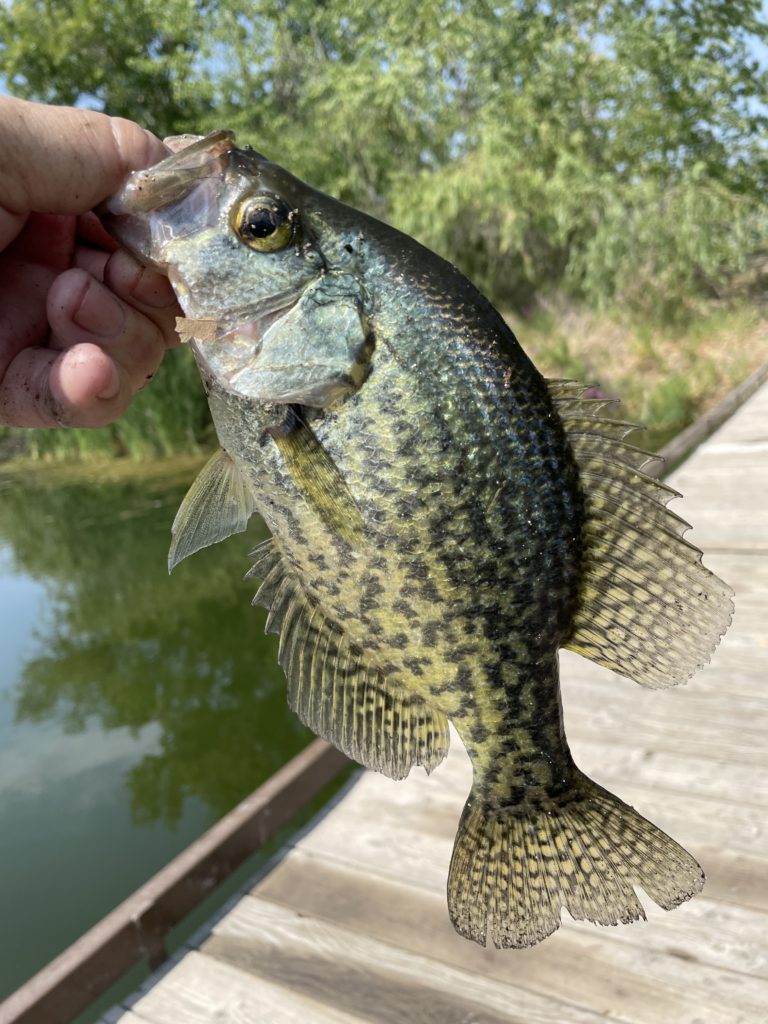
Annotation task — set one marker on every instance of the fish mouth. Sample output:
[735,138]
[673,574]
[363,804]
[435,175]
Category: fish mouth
[173,178]
[252,324]
[191,175]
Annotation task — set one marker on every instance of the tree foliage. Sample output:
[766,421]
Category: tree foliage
[615,152]
[129,58]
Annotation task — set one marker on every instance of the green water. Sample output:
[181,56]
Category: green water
[135,709]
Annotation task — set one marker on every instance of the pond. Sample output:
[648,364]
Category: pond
[135,708]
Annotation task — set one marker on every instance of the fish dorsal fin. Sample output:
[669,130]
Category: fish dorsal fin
[334,688]
[647,607]
[218,504]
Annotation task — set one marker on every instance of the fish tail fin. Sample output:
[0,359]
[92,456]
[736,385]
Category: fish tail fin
[513,869]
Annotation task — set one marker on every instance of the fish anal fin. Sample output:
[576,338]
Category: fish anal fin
[647,607]
[337,691]
[218,504]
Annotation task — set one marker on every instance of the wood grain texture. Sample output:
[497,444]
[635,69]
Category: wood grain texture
[580,964]
[352,922]
[203,990]
[370,979]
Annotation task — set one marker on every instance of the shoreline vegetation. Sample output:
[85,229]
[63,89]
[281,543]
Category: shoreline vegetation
[664,377]
[599,171]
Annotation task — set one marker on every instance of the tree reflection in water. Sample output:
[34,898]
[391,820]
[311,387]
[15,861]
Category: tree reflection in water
[127,645]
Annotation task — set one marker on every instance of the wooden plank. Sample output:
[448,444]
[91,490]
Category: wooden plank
[704,716]
[353,920]
[201,990]
[724,507]
[748,574]
[734,938]
[737,671]
[651,968]
[747,426]
[420,857]
[668,724]
[696,706]
[118,1015]
[670,770]
[701,483]
[695,741]
[748,423]
[412,839]
[372,980]
[690,818]
[735,877]
[741,664]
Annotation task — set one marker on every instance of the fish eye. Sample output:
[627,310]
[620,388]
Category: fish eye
[264,222]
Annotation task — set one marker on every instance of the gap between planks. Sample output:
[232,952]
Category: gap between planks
[327,960]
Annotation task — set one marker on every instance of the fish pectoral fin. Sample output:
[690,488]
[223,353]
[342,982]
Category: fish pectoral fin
[647,608]
[515,867]
[317,477]
[218,504]
[336,690]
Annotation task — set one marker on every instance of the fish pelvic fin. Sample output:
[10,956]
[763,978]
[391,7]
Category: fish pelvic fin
[335,687]
[513,869]
[647,608]
[219,503]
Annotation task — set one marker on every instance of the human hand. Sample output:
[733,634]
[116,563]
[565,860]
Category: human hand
[83,326]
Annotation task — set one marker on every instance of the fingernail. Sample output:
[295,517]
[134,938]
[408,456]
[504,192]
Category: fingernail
[153,289]
[111,390]
[99,312]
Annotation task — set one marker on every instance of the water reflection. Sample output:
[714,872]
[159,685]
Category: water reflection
[135,708]
[121,644]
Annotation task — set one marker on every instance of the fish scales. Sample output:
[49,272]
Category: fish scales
[443,521]
[444,563]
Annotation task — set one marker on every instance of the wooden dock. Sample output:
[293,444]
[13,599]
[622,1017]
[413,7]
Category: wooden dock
[350,924]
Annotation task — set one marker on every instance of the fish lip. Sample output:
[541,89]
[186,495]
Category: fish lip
[171,179]
[125,215]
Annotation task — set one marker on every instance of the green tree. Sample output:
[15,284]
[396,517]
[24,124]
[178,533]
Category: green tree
[617,151]
[613,151]
[133,59]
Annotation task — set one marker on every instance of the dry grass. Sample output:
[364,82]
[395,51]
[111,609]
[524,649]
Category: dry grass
[666,377]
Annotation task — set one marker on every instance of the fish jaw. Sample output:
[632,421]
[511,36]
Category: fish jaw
[179,196]
[172,178]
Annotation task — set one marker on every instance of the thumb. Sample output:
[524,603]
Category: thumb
[63,160]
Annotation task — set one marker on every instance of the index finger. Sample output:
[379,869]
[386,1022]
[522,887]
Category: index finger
[64,160]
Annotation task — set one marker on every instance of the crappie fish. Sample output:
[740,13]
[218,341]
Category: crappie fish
[443,520]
